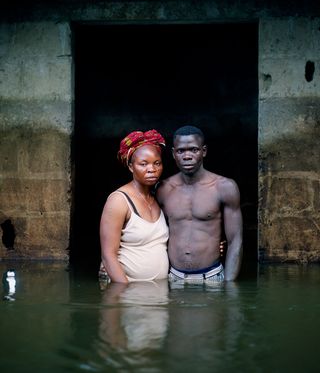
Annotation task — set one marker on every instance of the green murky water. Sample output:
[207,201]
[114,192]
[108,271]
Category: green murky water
[59,321]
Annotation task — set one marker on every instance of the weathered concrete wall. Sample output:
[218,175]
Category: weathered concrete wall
[36,116]
[35,128]
[289,140]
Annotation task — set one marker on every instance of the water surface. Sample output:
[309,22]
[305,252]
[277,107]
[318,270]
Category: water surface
[57,320]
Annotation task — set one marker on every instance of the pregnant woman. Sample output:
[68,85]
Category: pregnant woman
[133,230]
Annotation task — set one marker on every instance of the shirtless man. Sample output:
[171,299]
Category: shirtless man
[199,205]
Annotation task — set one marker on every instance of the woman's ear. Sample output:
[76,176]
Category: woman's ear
[130,167]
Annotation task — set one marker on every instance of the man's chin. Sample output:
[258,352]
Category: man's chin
[188,171]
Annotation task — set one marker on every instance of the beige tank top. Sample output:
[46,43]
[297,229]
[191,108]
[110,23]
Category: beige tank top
[143,247]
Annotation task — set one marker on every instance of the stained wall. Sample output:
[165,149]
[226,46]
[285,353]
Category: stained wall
[289,139]
[37,121]
[35,130]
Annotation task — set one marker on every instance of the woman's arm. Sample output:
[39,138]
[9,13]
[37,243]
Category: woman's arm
[113,217]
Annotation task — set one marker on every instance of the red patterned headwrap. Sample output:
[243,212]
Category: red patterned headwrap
[135,140]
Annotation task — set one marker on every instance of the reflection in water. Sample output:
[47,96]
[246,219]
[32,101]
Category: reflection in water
[142,322]
[134,318]
[36,324]
[62,321]
[204,322]
[9,285]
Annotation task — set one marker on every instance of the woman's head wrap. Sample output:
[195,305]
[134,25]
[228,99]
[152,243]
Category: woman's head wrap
[135,140]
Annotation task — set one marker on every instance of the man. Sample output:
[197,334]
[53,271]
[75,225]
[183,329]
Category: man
[199,206]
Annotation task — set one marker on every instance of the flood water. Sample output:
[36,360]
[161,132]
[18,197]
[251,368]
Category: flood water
[57,320]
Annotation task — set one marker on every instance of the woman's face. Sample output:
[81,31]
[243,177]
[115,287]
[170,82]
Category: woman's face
[146,165]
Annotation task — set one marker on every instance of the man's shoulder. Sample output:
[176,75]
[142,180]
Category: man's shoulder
[166,187]
[226,182]
[220,184]
[226,188]
[171,182]
[219,180]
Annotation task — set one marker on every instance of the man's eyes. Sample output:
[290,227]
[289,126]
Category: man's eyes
[192,150]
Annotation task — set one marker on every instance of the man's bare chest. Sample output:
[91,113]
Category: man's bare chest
[188,205]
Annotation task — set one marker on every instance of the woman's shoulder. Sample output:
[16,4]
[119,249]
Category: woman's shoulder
[116,198]
[115,212]
[122,197]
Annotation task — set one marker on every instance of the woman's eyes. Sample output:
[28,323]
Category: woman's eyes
[158,164]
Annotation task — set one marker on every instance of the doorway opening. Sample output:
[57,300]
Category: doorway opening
[139,77]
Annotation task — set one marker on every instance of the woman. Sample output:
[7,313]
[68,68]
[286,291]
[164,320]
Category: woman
[133,230]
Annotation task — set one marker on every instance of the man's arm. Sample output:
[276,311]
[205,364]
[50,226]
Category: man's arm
[232,217]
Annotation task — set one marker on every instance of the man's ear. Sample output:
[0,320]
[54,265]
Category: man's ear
[204,149]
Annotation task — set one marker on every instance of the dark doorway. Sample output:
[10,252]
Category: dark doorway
[130,77]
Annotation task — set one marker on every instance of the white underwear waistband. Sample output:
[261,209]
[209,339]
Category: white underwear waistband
[196,276]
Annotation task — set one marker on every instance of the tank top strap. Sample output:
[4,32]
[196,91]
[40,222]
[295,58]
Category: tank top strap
[129,200]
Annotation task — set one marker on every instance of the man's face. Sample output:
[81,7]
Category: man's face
[188,152]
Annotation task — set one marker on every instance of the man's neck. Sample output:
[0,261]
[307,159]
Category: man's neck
[193,178]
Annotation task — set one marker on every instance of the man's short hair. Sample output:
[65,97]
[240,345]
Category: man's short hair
[188,130]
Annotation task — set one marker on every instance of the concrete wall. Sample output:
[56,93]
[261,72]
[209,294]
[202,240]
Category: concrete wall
[289,139]
[35,128]
[36,117]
